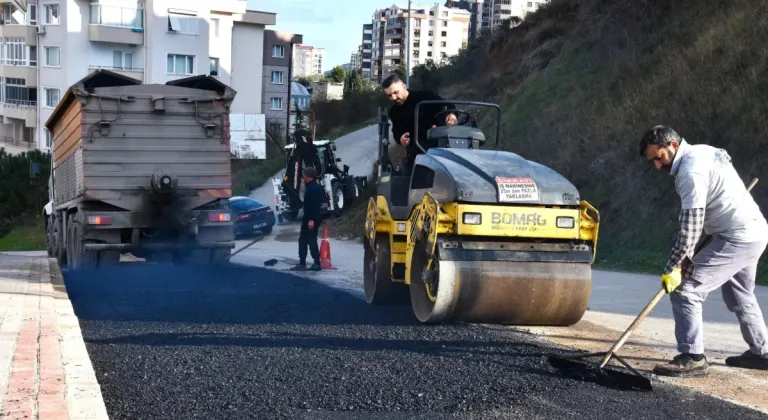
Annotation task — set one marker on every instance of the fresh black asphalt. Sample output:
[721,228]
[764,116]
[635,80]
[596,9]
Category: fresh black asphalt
[239,342]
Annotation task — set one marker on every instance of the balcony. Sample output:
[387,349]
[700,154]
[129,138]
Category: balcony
[15,146]
[18,69]
[27,32]
[20,110]
[133,72]
[115,24]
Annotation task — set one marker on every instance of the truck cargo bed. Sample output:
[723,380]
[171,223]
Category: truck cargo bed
[111,142]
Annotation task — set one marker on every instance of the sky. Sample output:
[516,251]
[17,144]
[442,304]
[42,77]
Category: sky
[336,25]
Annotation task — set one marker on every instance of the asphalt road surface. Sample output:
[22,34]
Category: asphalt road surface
[244,342]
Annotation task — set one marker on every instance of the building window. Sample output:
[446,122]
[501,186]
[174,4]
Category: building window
[48,139]
[445,13]
[443,43]
[214,66]
[14,51]
[530,4]
[52,57]
[444,33]
[277,77]
[122,60]
[52,96]
[32,14]
[278,51]
[445,23]
[277,104]
[180,64]
[431,33]
[214,27]
[183,23]
[51,14]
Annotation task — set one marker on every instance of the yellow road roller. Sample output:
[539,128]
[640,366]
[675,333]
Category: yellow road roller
[476,235]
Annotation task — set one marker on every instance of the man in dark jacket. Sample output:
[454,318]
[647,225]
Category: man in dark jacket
[402,113]
[314,196]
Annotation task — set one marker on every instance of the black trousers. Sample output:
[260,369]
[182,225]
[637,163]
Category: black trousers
[308,238]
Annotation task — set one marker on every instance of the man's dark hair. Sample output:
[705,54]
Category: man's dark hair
[660,135]
[390,80]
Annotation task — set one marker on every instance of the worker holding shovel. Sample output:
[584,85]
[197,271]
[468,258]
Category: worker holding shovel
[716,202]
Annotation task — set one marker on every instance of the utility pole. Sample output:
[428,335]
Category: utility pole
[408,48]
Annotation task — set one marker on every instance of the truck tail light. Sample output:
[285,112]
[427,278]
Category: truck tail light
[99,220]
[219,217]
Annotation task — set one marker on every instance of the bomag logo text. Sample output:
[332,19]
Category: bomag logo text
[523,219]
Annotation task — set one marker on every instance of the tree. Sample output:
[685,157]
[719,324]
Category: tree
[300,123]
[353,84]
[338,74]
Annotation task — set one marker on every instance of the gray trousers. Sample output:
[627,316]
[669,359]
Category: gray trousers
[732,266]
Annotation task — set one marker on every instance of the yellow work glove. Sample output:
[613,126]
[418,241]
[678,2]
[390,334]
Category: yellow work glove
[671,281]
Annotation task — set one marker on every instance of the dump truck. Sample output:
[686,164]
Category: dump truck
[140,168]
[477,235]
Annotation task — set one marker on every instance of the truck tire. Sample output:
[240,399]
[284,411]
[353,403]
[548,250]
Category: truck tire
[337,195]
[79,258]
[60,247]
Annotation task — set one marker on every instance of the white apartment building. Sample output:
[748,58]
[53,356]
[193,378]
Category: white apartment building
[308,61]
[55,43]
[436,33]
[355,60]
[496,11]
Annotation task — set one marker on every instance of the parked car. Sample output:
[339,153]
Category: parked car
[250,216]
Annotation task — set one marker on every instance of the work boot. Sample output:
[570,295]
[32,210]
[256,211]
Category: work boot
[684,366]
[299,267]
[315,267]
[748,360]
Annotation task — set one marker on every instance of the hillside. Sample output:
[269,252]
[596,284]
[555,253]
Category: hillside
[580,81]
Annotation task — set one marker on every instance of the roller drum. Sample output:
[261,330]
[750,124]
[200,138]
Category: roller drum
[505,292]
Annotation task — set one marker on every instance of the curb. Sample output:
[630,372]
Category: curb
[82,390]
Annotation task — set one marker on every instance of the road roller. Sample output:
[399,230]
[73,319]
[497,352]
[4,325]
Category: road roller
[475,234]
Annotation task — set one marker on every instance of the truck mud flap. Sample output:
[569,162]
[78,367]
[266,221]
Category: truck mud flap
[159,246]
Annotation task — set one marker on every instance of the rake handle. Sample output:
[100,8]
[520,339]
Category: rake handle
[648,308]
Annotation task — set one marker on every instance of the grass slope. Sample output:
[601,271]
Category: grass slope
[580,81]
[28,235]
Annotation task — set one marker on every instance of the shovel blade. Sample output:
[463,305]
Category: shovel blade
[608,376]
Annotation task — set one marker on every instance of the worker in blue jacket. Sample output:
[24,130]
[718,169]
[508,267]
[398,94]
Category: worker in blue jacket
[314,196]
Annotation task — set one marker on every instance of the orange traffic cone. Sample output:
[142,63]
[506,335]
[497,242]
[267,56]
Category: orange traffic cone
[325,251]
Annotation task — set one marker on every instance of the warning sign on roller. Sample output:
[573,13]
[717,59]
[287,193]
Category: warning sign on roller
[517,189]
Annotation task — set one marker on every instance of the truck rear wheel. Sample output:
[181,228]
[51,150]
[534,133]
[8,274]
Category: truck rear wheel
[79,258]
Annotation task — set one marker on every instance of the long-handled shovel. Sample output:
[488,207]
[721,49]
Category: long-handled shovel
[611,377]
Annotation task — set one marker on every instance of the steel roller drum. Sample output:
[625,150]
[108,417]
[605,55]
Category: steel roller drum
[504,292]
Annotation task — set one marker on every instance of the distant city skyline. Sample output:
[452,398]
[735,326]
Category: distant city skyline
[338,29]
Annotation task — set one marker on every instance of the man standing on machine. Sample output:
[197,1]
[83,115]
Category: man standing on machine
[715,201]
[403,110]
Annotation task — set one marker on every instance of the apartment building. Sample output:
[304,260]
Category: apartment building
[355,60]
[366,51]
[54,43]
[277,75]
[493,12]
[436,33]
[475,9]
[308,61]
